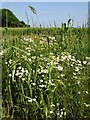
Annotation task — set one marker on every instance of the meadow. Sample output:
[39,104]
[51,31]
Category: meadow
[45,74]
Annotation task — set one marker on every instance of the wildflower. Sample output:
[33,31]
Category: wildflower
[79,64]
[22,70]
[63,58]
[51,54]
[30,39]
[21,73]
[60,68]
[50,81]
[58,113]
[73,62]
[44,71]
[55,63]
[23,79]
[6,63]
[19,67]
[79,92]
[28,54]
[71,65]
[10,61]
[41,80]
[46,82]
[76,69]
[29,51]
[78,82]
[73,59]
[26,71]
[53,38]
[10,75]
[20,76]
[41,55]
[34,99]
[17,74]
[74,74]
[27,48]
[87,92]
[52,105]
[33,84]
[43,75]
[84,62]
[57,59]
[69,56]
[42,86]
[29,60]
[62,113]
[31,100]
[51,112]
[53,57]
[87,105]
[26,39]
[57,104]
[79,61]
[62,75]
[33,57]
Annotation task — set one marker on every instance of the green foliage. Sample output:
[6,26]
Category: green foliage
[9,19]
[45,74]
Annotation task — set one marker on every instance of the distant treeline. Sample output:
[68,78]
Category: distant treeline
[8,19]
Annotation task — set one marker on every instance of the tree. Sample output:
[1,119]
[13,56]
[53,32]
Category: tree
[9,19]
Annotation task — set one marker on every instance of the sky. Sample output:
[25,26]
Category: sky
[48,12]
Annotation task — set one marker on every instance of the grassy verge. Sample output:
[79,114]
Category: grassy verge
[45,74]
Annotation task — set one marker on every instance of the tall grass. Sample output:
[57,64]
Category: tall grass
[45,74]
